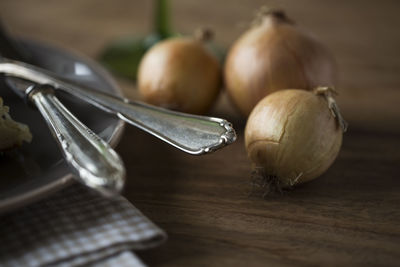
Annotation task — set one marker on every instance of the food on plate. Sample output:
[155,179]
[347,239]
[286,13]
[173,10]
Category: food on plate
[12,133]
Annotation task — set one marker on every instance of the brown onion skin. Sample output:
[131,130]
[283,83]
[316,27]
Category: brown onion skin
[180,74]
[275,55]
[293,134]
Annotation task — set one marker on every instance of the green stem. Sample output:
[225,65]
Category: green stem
[161,18]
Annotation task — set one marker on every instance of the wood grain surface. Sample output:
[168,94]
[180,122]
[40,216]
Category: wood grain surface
[350,216]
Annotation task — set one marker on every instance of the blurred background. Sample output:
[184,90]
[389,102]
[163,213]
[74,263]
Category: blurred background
[87,26]
[364,38]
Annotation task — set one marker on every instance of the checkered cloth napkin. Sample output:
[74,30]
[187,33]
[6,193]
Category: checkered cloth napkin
[76,227]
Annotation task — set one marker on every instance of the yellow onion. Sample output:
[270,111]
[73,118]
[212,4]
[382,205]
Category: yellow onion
[180,74]
[275,54]
[294,135]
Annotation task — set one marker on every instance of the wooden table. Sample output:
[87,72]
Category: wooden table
[349,216]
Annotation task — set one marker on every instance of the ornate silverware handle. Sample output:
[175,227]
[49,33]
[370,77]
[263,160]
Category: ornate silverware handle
[94,162]
[190,133]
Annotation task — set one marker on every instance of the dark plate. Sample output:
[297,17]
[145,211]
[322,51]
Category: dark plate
[37,169]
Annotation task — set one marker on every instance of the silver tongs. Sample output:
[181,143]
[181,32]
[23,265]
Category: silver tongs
[92,160]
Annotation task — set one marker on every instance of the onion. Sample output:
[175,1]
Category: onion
[294,135]
[275,54]
[180,74]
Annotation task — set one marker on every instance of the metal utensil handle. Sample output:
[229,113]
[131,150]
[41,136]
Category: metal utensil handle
[190,133]
[94,162]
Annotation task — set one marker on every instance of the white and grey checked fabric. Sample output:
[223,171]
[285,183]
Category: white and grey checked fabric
[76,227]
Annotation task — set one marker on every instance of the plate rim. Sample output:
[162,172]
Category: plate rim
[11,204]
